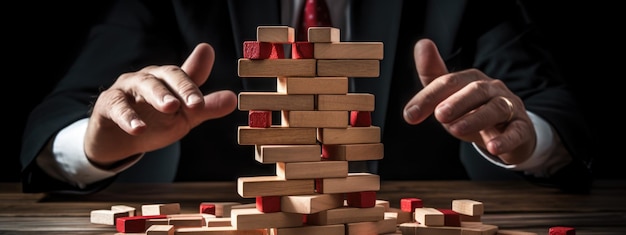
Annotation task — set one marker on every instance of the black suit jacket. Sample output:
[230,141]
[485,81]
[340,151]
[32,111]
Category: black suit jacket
[496,37]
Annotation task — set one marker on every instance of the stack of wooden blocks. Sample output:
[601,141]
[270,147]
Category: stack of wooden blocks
[322,128]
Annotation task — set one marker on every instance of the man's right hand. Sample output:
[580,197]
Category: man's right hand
[153,107]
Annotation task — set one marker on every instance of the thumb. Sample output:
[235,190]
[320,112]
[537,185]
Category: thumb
[428,62]
[199,64]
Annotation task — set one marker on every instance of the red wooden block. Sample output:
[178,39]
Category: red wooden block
[207,208]
[302,50]
[134,224]
[324,152]
[451,218]
[560,230]
[256,50]
[364,199]
[260,118]
[268,203]
[409,204]
[360,118]
[319,186]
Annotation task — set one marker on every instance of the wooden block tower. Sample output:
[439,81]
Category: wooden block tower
[323,126]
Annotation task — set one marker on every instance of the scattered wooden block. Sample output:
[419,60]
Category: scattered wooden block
[353,152]
[107,217]
[363,199]
[222,209]
[355,182]
[276,135]
[160,209]
[275,34]
[350,101]
[186,220]
[289,68]
[344,215]
[334,229]
[350,135]
[275,101]
[561,230]
[311,170]
[207,208]
[256,50]
[450,217]
[288,153]
[399,215]
[250,187]
[134,224]
[324,34]
[360,228]
[349,50]
[160,230]
[218,222]
[122,208]
[428,216]
[468,207]
[312,85]
[344,68]
[157,221]
[251,218]
[318,119]
[302,50]
[260,118]
[309,204]
[268,204]
[478,228]
[409,204]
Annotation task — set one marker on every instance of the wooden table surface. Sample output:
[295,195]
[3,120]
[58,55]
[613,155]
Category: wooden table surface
[508,205]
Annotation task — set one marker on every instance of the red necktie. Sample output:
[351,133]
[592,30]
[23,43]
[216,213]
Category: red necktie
[314,14]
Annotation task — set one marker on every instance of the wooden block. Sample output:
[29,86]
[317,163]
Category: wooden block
[347,102]
[410,203]
[275,34]
[346,68]
[260,118]
[207,208]
[387,225]
[478,228]
[361,228]
[468,207]
[134,224]
[384,203]
[275,101]
[561,230]
[333,229]
[276,135]
[318,119]
[302,50]
[311,170]
[349,50]
[268,204]
[160,209]
[514,232]
[360,118]
[363,199]
[218,222]
[324,34]
[253,186]
[157,221]
[353,152]
[222,230]
[470,218]
[107,217]
[450,217]
[251,218]
[160,230]
[429,216]
[399,215]
[288,153]
[350,135]
[131,210]
[312,85]
[187,220]
[222,209]
[256,50]
[309,204]
[355,182]
[415,228]
[344,215]
[243,206]
[291,68]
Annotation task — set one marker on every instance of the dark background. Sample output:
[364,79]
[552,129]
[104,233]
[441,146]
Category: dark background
[42,38]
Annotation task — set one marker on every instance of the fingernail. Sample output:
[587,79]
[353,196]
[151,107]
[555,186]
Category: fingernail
[168,99]
[444,110]
[193,99]
[412,113]
[136,123]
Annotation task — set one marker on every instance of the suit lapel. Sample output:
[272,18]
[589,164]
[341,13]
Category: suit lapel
[245,16]
[373,20]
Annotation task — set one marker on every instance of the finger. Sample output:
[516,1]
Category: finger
[147,87]
[218,104]
[199,64]
[118,109]
[429,67]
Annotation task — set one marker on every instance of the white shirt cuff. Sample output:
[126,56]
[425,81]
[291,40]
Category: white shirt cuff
[548,156]
[69,161]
